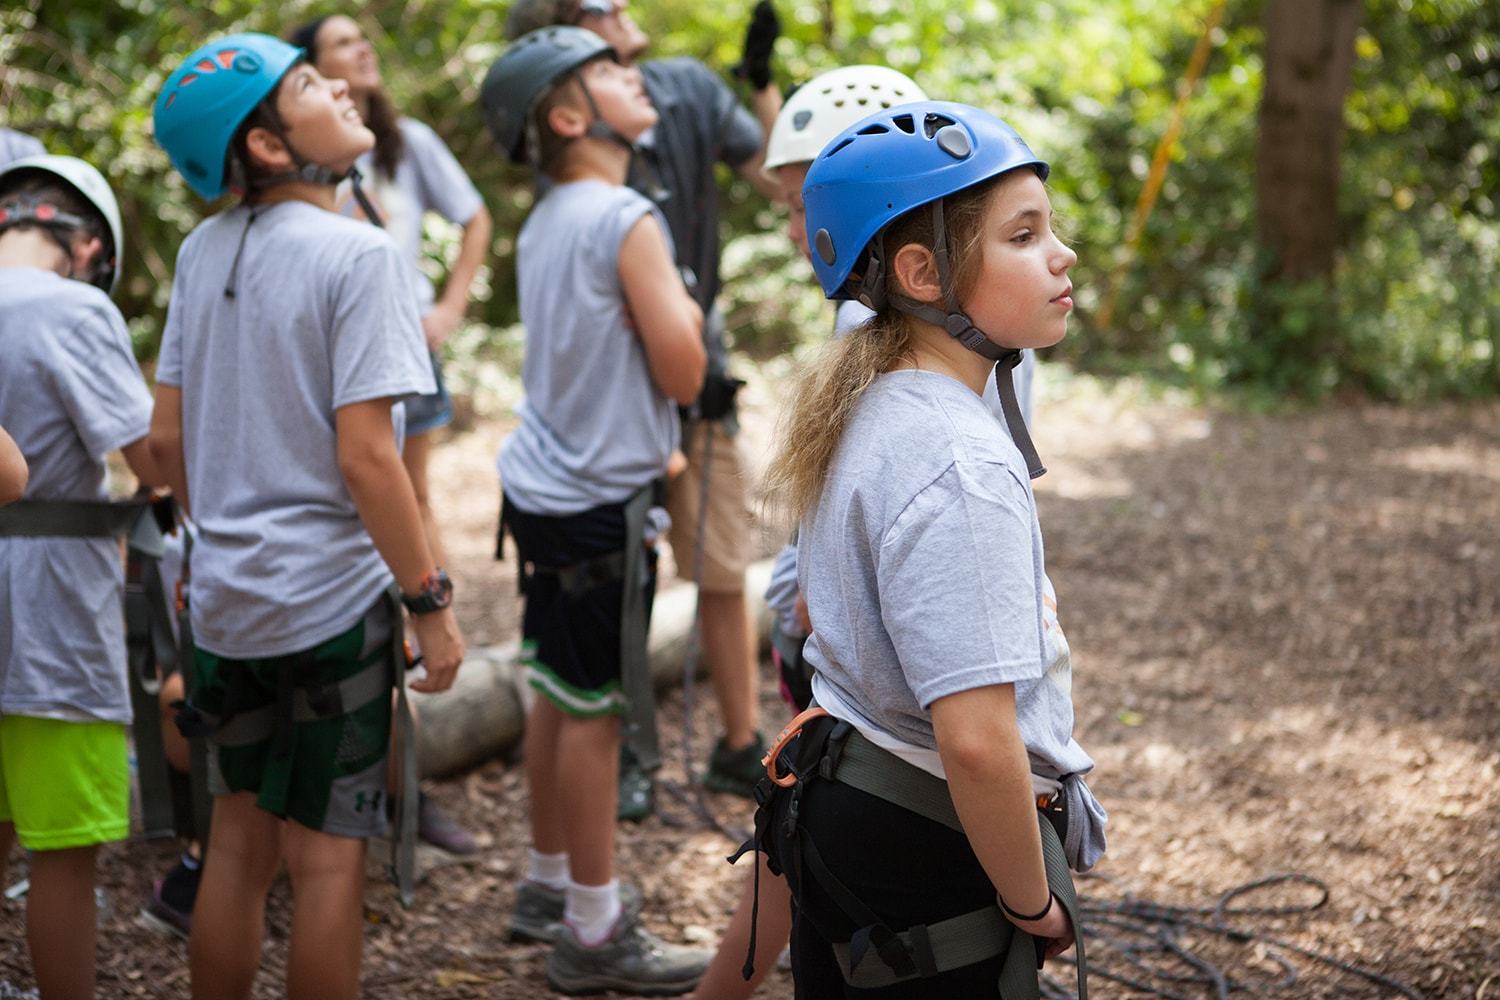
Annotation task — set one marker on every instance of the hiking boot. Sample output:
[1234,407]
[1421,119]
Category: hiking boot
[637,789]
[736,771]
[631,960]
[538,912]
[170,908]
[437,828]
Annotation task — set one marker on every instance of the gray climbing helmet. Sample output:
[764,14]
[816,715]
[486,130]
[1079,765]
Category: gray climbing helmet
[524,74]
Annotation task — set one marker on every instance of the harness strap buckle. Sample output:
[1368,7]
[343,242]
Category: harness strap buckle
[833,750]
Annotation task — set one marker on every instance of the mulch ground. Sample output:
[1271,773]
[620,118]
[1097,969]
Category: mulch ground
[1285,640]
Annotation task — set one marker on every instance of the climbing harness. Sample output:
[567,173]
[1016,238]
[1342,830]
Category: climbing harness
[817,747]
[630,565]
[297,700]
[151,651]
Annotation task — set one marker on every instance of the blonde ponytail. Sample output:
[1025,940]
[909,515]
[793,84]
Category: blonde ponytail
[824,396]
[823,399]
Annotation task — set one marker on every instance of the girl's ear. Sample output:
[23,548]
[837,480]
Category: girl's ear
[267,150]
[916,273]
[566,121]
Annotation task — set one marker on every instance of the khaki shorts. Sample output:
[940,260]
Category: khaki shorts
[726,540]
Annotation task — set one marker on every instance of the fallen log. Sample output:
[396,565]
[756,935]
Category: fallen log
[484,713]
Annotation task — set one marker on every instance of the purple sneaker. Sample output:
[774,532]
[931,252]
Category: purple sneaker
[437,828]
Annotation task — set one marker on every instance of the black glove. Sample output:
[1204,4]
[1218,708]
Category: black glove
[760,39]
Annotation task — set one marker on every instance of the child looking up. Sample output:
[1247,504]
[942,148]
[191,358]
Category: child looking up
[613,344]
[290,333]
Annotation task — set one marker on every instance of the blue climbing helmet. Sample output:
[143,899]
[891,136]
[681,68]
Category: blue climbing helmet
[206,99]
[889,163]
[881,168]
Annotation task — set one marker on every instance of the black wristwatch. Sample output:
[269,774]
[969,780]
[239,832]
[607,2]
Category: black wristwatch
[435,595]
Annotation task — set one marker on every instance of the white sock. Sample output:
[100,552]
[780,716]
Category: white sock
[592,910]
[550,870]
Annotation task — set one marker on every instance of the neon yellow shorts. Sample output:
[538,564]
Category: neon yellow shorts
[63,784]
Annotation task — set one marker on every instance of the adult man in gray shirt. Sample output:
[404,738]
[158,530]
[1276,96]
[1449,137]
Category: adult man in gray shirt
[701,123]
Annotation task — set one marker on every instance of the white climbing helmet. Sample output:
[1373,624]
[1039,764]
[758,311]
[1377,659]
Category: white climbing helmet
[92,185]
[829,103]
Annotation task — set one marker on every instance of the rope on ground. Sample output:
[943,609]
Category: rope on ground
[1155,948]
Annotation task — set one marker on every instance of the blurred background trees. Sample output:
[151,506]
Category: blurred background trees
[1280,255]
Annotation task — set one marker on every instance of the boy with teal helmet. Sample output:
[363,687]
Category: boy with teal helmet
[613,344]
[71,393]
[293,330]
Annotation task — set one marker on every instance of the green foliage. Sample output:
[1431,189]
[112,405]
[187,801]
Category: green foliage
[1414,312]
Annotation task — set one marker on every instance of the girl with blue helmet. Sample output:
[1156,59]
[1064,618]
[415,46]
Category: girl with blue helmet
[921,808]
[291,333]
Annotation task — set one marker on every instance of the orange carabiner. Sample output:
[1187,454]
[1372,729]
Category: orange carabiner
[784,737]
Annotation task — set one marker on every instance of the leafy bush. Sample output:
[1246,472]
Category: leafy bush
[1415,311]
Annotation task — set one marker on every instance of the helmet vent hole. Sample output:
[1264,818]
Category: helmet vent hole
[905,123]
[838,103]
[800,120]
[837,148]
[932,124]
[876,129]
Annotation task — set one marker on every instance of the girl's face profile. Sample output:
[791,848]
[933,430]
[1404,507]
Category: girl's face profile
[321,119]
[1023,295]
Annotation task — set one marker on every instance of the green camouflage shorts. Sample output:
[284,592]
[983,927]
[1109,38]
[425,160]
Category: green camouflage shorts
[330,773]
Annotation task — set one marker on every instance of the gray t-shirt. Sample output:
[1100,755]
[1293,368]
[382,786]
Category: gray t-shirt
[781,590]
[594,426]
[322,317]
[18,145]
[702,122]
[428,179]
[70,393]
[923,572]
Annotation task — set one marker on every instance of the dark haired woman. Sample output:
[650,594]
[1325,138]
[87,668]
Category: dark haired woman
[409,173]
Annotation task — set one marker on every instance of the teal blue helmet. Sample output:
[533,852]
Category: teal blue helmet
[206,99]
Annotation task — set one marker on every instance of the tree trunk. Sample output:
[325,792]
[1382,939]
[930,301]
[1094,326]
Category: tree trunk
[1309,62]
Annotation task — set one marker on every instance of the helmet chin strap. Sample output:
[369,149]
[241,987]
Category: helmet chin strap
[309,173]
[314,173]
[961,328]
[599,128]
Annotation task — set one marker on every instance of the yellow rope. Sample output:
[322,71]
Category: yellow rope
[1160,161]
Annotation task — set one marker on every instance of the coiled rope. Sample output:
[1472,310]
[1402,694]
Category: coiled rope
[1154,947]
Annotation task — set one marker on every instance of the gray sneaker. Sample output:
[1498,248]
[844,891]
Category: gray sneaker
[632,960]
[538,911]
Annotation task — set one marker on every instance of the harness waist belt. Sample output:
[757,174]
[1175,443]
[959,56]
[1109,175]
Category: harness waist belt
[853,760]
[308,704]
[948,944]
[69,518]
